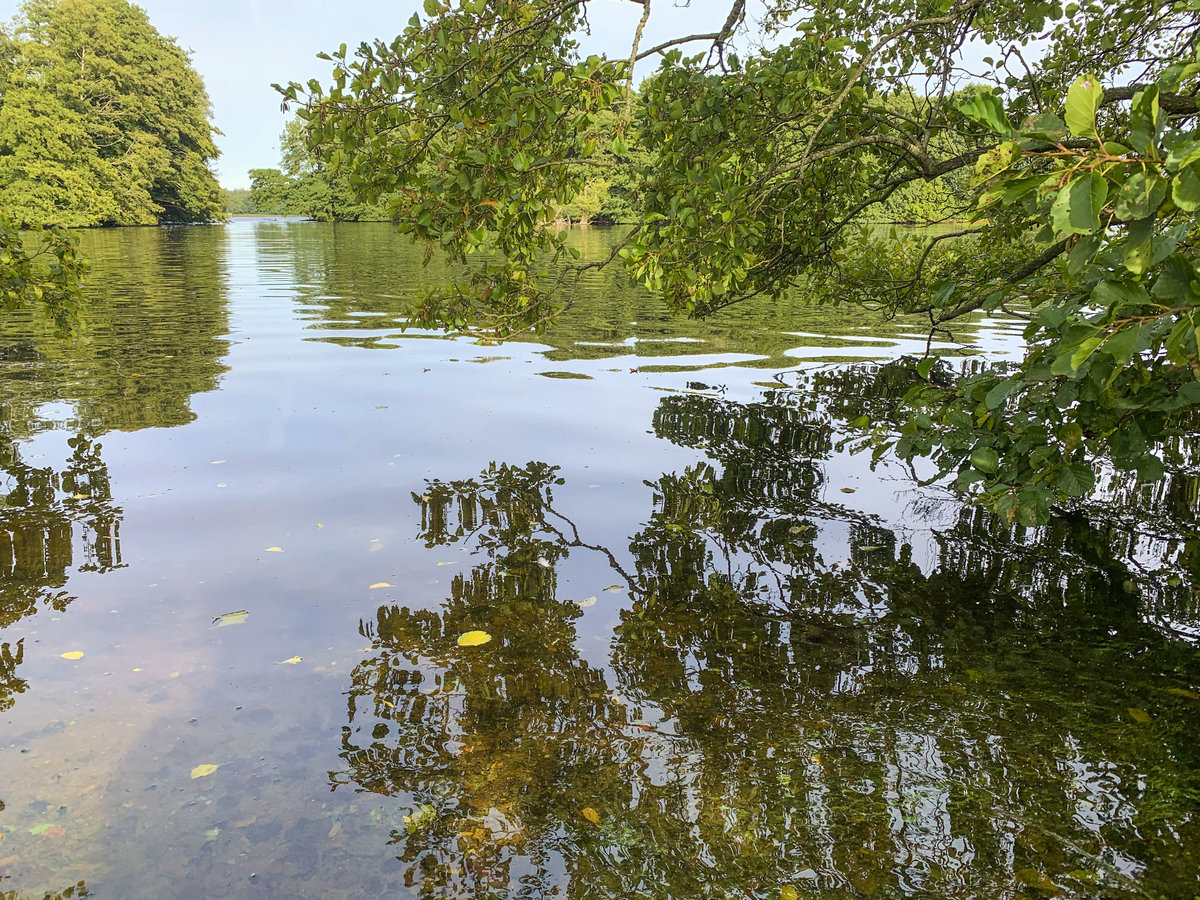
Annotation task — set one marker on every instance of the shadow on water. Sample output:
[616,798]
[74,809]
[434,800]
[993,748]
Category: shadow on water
[1008,719]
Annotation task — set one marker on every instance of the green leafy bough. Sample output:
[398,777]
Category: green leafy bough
[1072,198]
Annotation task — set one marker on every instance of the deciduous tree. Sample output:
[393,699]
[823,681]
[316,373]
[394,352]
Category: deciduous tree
[103,121]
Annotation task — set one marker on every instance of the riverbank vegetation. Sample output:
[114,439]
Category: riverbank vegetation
[1065,137]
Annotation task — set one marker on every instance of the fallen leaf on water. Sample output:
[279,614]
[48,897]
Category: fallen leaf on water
[211,834]
[38,829]
[1139,715]
[591,815]
[450,563]
[473,638]
[335,830]
[1183,692]
[72,654]
[379,584]
[217,462]
[80,497]
[614,587]
[292,661]
[787,892]
[231,618]
[274,550]
[205,769]
[586,602]
[848,490]
[244,823]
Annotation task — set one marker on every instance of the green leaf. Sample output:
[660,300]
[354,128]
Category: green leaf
[925,366]
[1174,282]
[1141,195]
[1185,189]
[1149,468]
[1076,479]
[1120,345]
[1183,154]
[987,109]
[1076,209]
[996,160]
[1083,99]
[1001,392]
[1081,254]
[432,7]
[985,459]
[1081,354]
[1145,122]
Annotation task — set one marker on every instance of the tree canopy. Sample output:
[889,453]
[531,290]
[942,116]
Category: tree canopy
[305,187]
[103,121]
[1061,138]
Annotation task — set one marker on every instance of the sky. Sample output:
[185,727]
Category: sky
[240,47]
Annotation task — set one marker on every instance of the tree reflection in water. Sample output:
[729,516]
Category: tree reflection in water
[1014,718]
[42,512]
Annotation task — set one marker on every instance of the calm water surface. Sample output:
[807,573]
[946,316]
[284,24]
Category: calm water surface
[727,658]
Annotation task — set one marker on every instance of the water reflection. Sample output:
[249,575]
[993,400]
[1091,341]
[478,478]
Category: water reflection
[355,283]
[1002,719]
[155,324]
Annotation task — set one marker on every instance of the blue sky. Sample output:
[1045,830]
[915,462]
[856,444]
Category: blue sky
[241,46]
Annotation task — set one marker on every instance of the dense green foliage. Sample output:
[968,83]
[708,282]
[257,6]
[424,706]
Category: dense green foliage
[305,187]
[103,121]
[1074,162]
[43,269]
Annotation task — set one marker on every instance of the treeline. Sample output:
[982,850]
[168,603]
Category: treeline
[103,121]
[302,186]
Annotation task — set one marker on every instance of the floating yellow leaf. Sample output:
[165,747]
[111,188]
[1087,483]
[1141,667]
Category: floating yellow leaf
[292,661]
[231,618]
[274,550]
[591,815]
[614,587]
[586,602]
[787,892]
[1139,715]
[379,584]
[473,638]
[72,654]
[1183,692]
[848,490]
[448,563]
[205,769]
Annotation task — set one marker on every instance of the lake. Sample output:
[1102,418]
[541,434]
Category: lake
[294,603]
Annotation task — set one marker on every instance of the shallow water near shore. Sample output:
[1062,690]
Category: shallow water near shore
[248,519]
